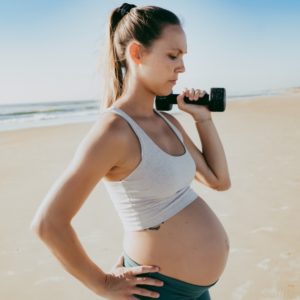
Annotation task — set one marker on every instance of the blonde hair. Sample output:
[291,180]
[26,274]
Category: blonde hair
[142,24]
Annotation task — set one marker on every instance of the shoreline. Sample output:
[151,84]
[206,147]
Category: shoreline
[39,121]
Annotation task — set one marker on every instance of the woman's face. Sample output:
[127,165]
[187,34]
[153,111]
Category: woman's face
[163,63]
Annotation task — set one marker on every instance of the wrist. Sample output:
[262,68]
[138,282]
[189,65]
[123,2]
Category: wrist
[202,120]
[100,288]
[97,281]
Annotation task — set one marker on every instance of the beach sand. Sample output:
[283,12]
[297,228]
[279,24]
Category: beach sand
[260,212]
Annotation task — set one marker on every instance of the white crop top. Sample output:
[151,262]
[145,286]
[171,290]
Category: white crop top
[158,188]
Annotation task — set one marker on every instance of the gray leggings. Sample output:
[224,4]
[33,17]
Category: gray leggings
[173,289]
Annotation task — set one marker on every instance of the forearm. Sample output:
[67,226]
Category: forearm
[212,150]
[65,245]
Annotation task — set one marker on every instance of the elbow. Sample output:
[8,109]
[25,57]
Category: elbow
[223,185]
[214,183]
[39,228]
[43,228]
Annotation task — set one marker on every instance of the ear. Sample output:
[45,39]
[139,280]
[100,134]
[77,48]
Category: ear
[136,51]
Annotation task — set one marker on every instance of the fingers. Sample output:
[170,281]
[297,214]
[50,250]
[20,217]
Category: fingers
[146,293]
[193,94]
[148,281]
[124,284]
[143,269]
[145,281]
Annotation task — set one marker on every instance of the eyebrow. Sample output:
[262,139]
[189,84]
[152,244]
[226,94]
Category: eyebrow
[178,49]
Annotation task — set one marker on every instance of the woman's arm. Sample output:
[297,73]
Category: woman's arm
[101,149]
[211,164]
[214,156]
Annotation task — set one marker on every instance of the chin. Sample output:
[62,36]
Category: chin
[165,93]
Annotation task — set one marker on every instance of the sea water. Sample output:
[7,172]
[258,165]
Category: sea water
[40,114]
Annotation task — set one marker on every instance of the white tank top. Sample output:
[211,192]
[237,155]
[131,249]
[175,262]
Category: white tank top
[158,188]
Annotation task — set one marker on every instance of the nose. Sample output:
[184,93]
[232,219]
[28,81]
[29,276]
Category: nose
[181,67]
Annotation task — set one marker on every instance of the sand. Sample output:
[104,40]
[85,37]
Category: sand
[260,212]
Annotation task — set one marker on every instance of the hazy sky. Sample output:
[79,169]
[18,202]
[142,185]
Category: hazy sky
[49,50]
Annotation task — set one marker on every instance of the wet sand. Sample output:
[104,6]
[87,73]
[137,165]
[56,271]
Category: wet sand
[260,212]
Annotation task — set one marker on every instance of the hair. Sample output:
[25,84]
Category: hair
[142,24]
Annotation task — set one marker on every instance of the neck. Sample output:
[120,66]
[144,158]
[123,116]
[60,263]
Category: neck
[137,100]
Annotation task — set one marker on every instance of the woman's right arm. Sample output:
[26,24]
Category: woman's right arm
[101,149]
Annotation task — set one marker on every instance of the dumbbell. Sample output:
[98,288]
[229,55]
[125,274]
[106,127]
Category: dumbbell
[216,101]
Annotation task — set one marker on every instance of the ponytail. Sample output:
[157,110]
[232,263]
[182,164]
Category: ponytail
[127,23]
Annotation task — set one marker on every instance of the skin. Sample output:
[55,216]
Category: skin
[111,150]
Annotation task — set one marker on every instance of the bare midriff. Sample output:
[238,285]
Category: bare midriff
[191,246]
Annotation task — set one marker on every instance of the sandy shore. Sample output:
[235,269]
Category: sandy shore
[260,212]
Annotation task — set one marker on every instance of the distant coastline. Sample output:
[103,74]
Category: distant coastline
[30,115]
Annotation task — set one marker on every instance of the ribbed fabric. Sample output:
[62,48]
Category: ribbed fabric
[158,188]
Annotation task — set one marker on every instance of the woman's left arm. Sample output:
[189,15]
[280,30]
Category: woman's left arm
[213,153]
[211,164]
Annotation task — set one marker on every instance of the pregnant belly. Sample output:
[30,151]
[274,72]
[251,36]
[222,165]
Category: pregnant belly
[191,246]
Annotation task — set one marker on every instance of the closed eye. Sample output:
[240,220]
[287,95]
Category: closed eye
[172,57]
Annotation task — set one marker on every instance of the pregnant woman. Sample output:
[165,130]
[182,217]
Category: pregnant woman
[174,245]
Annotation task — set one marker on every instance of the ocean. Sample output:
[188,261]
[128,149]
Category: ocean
[30,115]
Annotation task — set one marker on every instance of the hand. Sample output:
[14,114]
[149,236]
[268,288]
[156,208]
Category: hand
[120,283]
[198,112]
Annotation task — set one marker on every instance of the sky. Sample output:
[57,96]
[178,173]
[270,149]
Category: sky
[50,50]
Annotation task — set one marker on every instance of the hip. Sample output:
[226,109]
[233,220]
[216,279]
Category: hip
[173,288]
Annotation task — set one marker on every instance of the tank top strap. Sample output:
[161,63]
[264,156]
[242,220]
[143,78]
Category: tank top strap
[139,132]
[173,127]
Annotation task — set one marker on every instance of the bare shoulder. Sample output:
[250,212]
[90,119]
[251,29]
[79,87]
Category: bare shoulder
[103,147]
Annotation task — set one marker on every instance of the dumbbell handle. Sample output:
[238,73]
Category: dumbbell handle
[172,99]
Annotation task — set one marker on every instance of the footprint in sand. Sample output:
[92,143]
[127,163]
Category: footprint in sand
[240,292]
[49,279]
[285,255]
[263,264]
[284,207]
[7,273]
[294,264]
[245,250]
[265,228]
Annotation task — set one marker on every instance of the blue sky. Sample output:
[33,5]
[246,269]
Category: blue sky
[50,49]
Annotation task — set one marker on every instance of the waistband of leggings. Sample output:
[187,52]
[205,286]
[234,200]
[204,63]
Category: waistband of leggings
[182,284]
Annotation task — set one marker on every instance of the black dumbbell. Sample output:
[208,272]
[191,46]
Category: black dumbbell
[216,102]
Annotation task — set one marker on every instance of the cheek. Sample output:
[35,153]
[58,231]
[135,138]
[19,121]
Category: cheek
[154,71]
[157,71]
